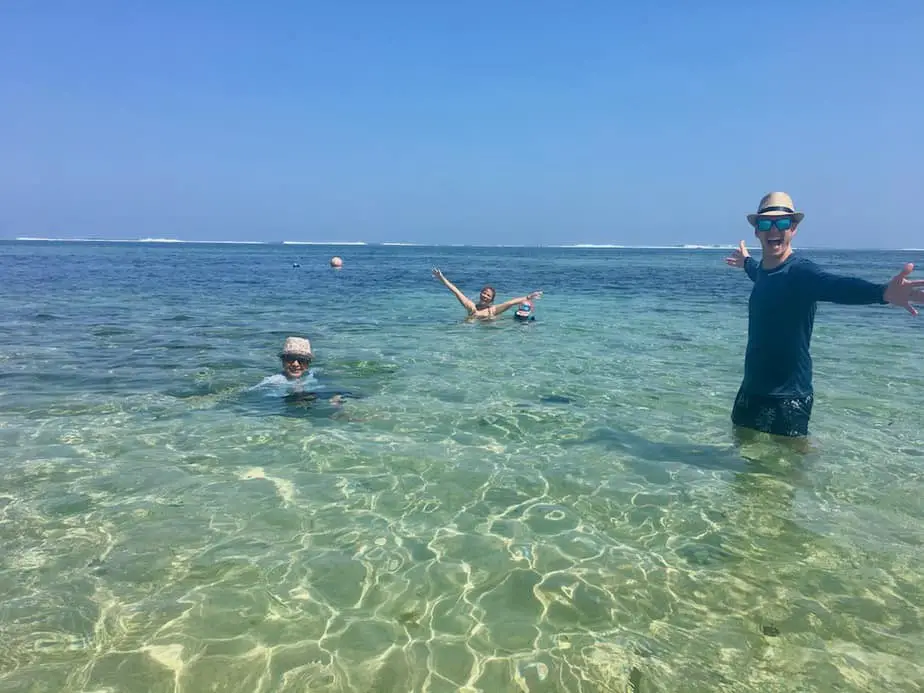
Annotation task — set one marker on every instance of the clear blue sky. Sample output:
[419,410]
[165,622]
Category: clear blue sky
[449,122]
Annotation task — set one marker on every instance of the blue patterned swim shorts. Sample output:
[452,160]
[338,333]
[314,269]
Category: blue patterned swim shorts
[780,416]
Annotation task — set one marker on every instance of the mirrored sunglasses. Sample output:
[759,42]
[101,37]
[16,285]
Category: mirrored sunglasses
[782,223]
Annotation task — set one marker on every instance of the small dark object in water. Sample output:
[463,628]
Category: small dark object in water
[635,681]
[555,399]
[295,264]
[300,397]
[770,630]
[409,618]
[304,399]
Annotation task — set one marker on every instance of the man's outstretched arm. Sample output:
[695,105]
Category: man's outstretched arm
[835,288]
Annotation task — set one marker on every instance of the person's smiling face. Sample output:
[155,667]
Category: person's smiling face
[775,234]
[295,366]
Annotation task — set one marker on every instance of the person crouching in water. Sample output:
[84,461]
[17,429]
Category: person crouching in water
[296,357]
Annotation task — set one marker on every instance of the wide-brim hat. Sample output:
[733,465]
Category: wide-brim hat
[297,346]
[776,204]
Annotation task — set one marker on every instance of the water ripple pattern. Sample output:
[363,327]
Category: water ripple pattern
[554,506]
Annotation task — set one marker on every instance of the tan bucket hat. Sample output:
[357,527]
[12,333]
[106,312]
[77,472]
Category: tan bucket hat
[297,346]
[776,204]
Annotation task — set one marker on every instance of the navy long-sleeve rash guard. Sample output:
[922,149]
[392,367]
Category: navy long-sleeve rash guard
[781,315]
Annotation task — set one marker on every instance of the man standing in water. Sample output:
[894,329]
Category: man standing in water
[776,394]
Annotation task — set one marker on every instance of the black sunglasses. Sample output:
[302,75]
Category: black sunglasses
[292,358]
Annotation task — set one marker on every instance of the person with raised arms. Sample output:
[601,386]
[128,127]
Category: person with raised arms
[776,394]
[485,309]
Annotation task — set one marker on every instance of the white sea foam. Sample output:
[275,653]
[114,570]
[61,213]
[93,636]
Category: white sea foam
[132,240]
[581,246]
[684,246]
[324,243]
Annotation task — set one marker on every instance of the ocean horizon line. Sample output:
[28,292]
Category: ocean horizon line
[588,246]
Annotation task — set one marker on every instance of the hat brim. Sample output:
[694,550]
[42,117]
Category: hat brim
[283,354]
[796,216]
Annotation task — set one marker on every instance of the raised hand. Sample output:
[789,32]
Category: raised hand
[437,273]
[902,292]
[737,258]
[534,295]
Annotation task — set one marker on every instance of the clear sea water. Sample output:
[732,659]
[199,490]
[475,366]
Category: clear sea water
[559,506]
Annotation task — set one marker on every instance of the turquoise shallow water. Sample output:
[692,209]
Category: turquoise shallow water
[558,506]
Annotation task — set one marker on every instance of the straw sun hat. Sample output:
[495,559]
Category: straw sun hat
[297,346]
[776,204]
